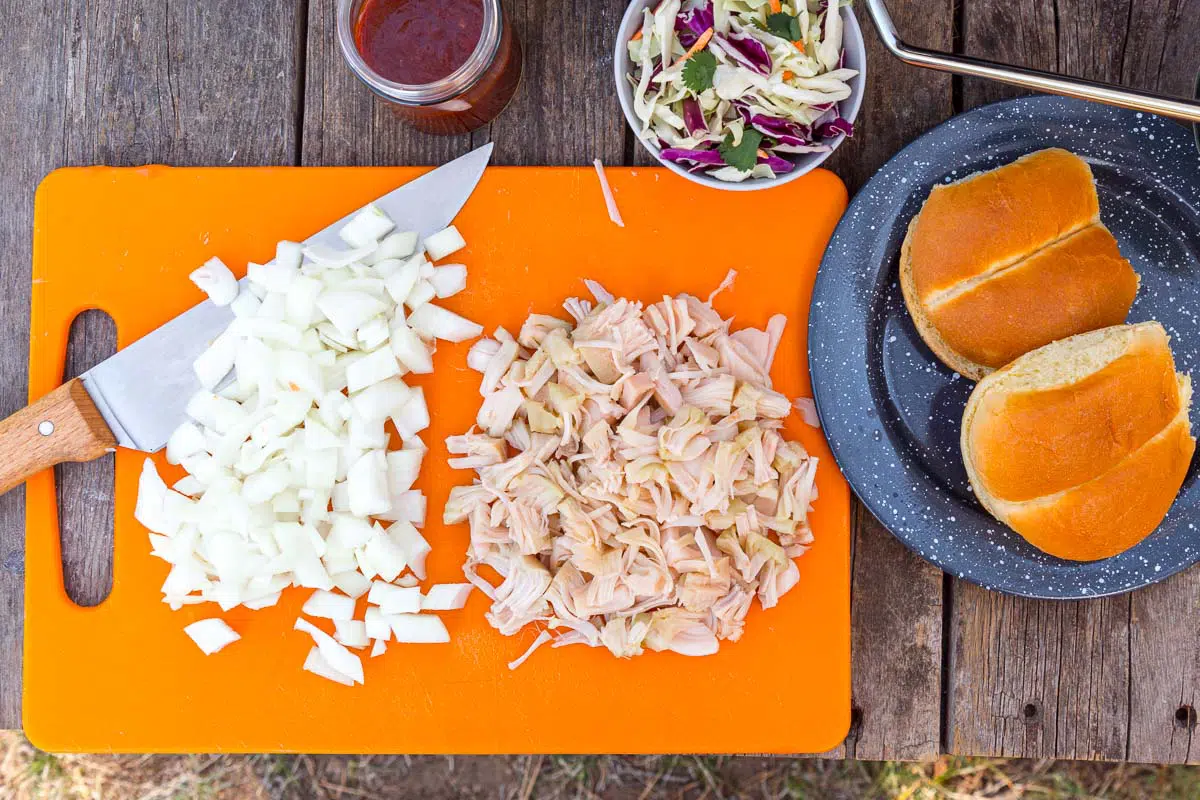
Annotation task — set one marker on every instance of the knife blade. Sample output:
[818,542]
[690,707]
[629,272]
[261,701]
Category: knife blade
[140,393]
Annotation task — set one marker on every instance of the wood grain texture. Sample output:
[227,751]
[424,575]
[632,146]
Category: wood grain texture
[1097,679]
[122,82]
[33,73]
[897,598]
[85,489]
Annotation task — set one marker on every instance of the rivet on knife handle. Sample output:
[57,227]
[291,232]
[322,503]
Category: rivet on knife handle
[62,426]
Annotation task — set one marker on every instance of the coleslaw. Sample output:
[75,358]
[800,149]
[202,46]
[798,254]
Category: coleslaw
[732,88]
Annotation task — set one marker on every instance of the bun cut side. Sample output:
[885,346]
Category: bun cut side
[1082,445]
[1006,261]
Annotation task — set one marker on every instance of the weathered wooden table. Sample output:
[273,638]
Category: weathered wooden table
[939,665]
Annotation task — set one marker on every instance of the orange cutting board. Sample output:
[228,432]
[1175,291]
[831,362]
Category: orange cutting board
[124,677]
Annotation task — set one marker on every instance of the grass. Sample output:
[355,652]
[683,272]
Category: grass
[30,774]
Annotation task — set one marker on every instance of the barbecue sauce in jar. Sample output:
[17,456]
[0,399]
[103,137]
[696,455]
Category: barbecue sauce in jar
[449,66]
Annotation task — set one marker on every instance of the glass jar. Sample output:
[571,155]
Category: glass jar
[468,98]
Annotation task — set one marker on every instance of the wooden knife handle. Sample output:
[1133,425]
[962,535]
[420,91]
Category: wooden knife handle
[62,426]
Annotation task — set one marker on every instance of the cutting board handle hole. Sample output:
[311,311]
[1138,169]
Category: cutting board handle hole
[85,490]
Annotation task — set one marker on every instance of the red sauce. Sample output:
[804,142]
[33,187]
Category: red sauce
[418,41]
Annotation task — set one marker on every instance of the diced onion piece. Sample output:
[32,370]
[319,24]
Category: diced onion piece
[289,255]
[352,582]
[443,243]
[414,416]
[316,664]
[366,228]
[211,635]
[610,202]
[401,282]
[394,599]
[217,281]
[367,485]
[406,506]
[184,441]
[412,544]
[266,601]
[347,310]
[418,629]
[403,468]
[246,304]
[446,597]
[324,256]
[410,350]
[378,648]
[384,555]
[371,369]
[380,400]
[434,322]
[399,244]
[351,632]
[377,624]
[449,280]
[421,294]
[216,361]
[329,606]
[336,654]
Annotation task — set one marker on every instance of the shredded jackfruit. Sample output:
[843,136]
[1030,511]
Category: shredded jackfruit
[633,489]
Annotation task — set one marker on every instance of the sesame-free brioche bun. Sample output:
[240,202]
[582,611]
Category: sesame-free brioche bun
[1003,262]
[1082,445]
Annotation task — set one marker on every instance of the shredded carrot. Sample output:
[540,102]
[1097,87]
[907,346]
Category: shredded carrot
[636,36]
[788,75]
[762,154]
[776,7]
[700,44]
[798,44]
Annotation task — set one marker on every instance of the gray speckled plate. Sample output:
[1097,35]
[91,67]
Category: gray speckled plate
[892,412]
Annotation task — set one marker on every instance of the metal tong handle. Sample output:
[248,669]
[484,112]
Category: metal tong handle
[1028,78]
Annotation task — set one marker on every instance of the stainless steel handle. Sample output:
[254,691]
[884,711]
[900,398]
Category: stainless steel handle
[1028,78]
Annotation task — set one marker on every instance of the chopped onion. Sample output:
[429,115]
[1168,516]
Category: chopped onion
[443,243]
[394,599]
[351,632]
[217,281]
[448,280]
[446,597]
[335,653]
[316,664]
[378,648]
[418,628]
[211,635]
[366,228]
[288,465]
[328,605]
[434,322]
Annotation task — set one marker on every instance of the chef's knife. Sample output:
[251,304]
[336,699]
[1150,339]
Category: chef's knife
[137,397]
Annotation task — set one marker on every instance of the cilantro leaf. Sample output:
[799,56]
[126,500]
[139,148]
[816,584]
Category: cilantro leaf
[742,156]
[699,70]
[785,26]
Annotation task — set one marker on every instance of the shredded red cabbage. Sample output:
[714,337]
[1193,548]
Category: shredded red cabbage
[749,52]
[693,116]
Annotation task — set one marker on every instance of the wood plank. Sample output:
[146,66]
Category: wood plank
[1077,680]
[122,82]
[1163,53]
[32,76]
[897,597]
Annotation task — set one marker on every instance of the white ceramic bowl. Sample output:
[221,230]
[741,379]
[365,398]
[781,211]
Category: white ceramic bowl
[856,58]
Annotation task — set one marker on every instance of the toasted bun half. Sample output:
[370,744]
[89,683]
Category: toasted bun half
[1082,445]
[1003,262]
